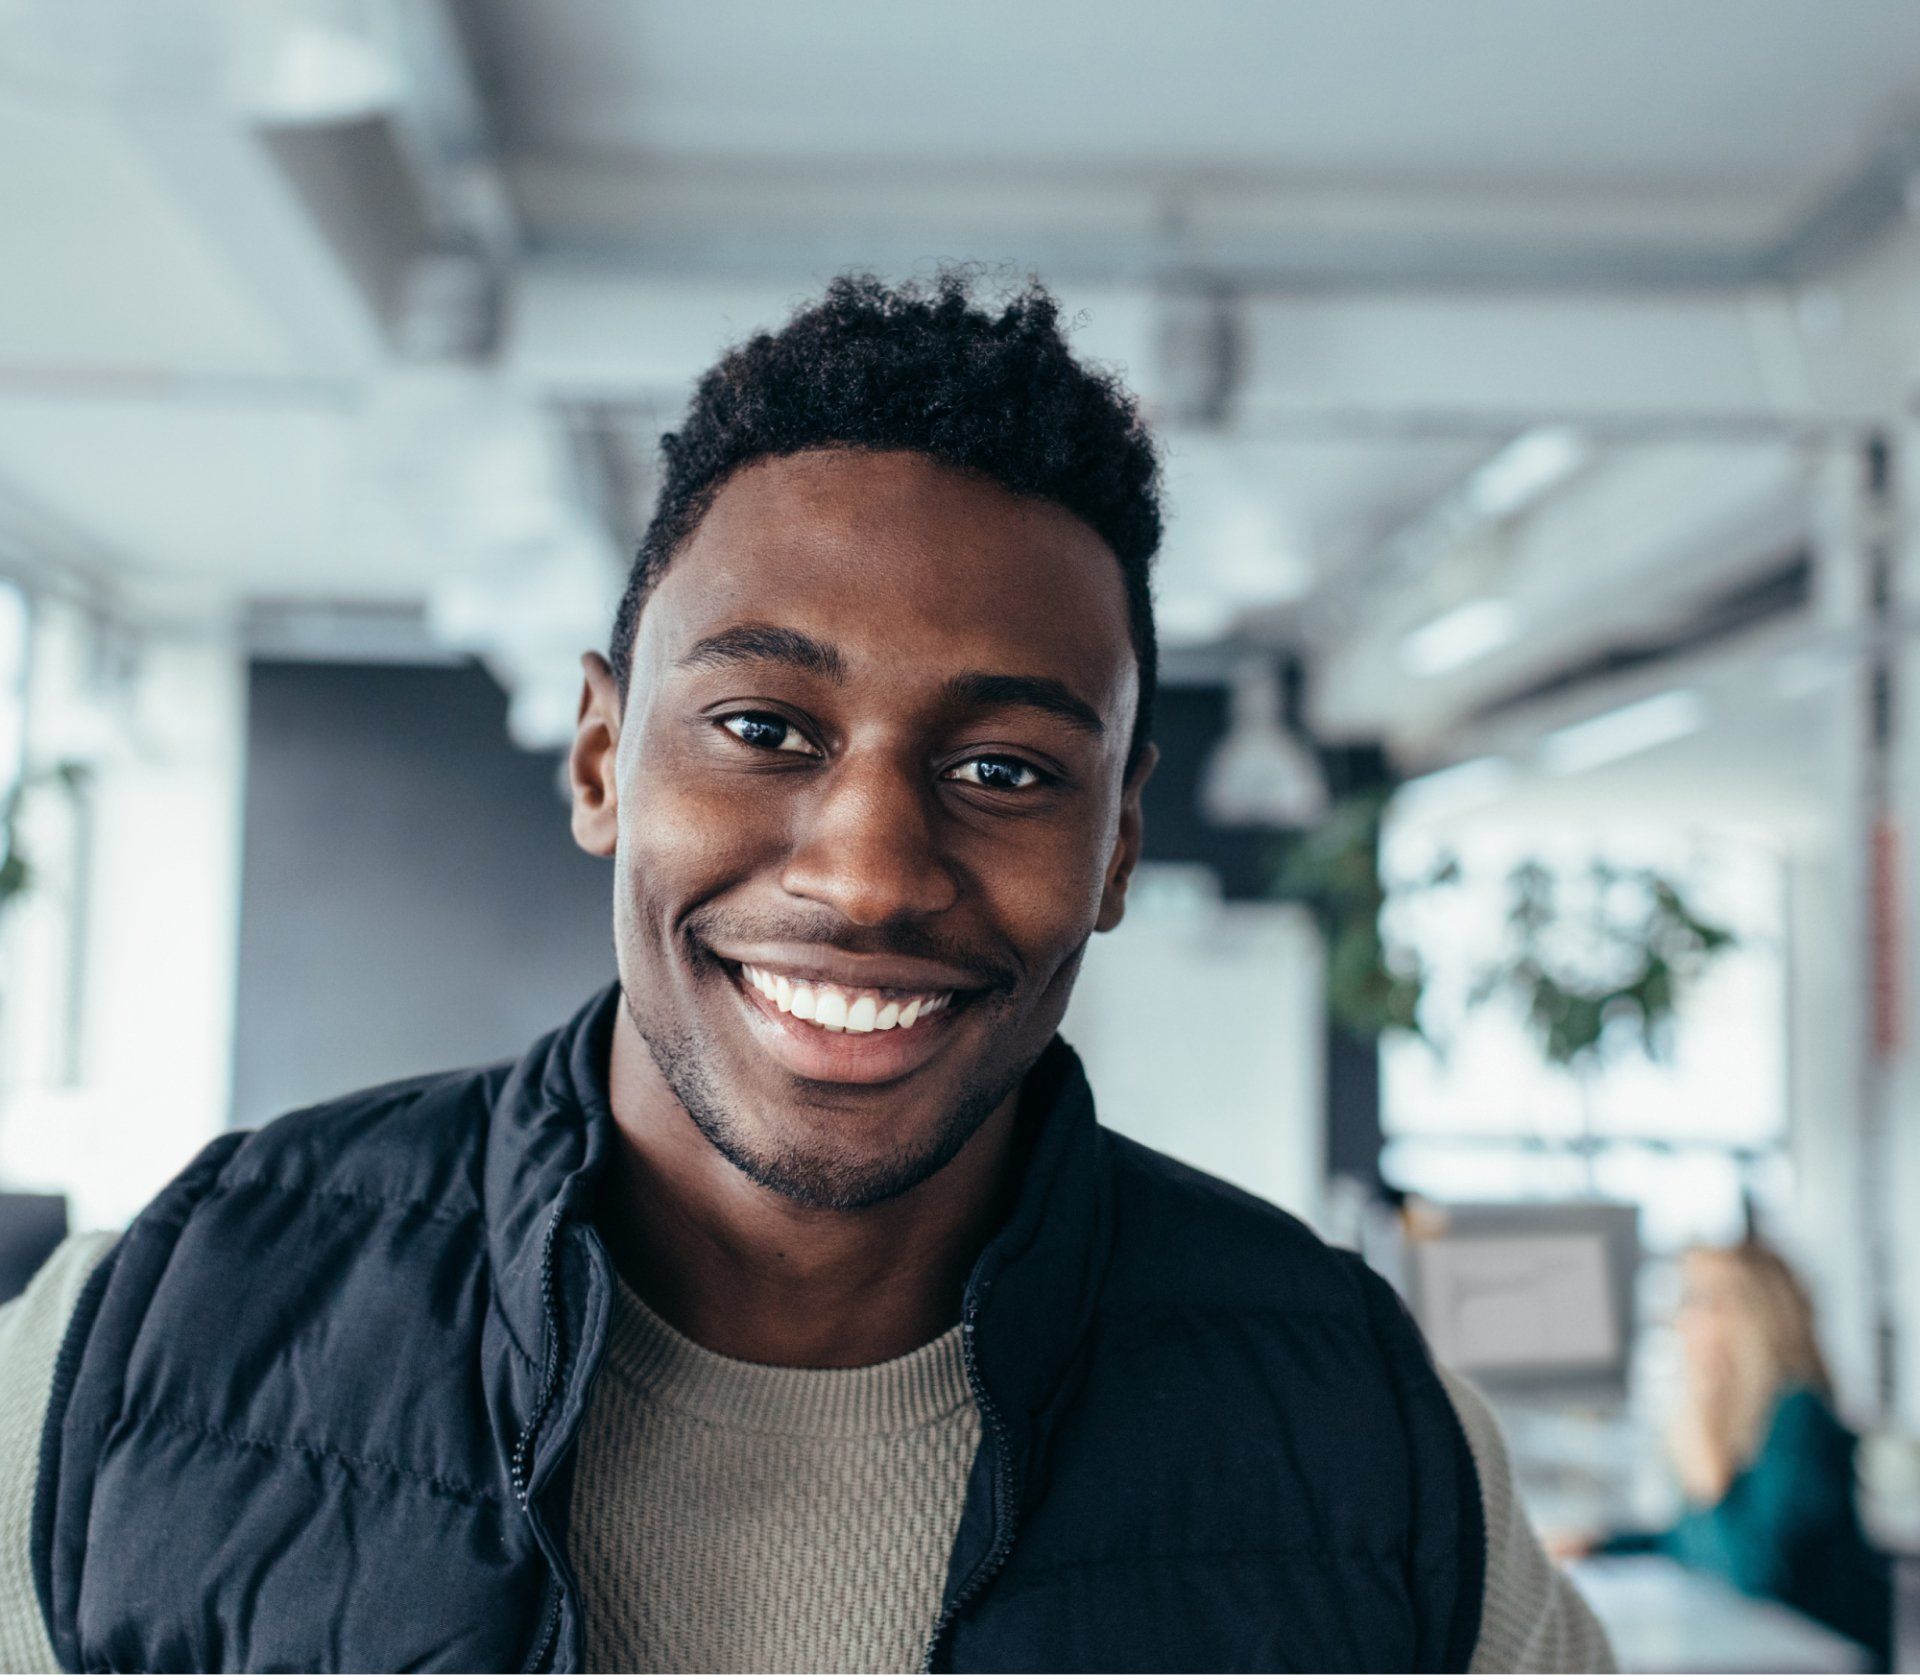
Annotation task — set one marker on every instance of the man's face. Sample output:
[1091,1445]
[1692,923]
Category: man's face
[870,767]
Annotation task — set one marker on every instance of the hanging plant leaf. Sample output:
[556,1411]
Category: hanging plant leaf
[1643,943]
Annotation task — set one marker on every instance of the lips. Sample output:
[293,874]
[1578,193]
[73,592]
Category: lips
[838,1006]
[824,1053]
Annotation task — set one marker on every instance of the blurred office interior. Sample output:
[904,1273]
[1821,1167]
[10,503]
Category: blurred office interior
[1538,384]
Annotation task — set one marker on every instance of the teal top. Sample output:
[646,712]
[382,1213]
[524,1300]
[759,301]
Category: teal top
[1788,1529]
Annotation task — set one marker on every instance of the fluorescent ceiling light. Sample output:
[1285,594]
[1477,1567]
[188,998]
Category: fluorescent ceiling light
[1526,468]
[1465,785]
[1624,732]
[1460,636]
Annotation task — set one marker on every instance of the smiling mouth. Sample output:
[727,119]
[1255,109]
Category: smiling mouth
[827,1032]
[833,1008]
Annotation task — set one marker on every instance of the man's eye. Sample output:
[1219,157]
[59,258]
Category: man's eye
[996,773]
[765,731]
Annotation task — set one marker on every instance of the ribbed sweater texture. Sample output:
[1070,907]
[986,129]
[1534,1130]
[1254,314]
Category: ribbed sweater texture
[729,1515]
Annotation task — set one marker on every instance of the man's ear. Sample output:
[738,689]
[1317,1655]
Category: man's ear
[592,763]
[1126,845]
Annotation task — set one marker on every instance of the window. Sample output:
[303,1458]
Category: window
[41,927]
[1684,1137]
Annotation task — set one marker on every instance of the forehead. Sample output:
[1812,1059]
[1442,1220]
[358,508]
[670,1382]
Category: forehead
[908,567]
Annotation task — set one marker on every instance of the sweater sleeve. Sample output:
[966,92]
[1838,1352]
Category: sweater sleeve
[31,1329]
[1532,1617]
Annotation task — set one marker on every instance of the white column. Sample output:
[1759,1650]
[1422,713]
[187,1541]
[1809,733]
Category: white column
[1836,1081]
[1897,1169]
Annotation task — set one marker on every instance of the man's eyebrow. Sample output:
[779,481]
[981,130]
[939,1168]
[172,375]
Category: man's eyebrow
[762,642]
[979,690]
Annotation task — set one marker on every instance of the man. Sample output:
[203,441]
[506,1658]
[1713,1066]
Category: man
[787,1308]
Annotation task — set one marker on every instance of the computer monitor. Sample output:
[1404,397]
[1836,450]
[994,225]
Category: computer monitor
[31,1224]
[1527,1299]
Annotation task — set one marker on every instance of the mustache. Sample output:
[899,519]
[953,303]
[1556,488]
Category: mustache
[902,941]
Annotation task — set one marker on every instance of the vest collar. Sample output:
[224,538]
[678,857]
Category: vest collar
[1025,1310]
[551,1128]
[1030,1294]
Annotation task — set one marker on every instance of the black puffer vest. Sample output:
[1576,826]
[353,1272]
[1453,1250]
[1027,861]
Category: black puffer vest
[317,1408]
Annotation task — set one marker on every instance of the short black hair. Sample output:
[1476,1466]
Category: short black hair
[994,392]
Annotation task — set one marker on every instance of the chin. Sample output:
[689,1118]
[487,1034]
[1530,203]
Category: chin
[835,1177]
[838,1148]
[826,1144]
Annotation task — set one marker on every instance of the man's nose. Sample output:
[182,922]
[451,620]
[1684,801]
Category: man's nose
[868,846]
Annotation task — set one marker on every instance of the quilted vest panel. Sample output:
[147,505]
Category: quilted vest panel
[317,1409]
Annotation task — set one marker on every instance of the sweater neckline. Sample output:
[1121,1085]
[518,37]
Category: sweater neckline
[663,1365]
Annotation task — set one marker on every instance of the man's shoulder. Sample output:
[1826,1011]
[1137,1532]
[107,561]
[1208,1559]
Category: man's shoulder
[1183,1232]
[417,1142]
[340,1231]
[1154,1183]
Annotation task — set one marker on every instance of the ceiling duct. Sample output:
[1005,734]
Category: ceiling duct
[450,309]
[459,461]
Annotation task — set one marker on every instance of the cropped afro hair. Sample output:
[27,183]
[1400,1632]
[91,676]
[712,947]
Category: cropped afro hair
[926,369]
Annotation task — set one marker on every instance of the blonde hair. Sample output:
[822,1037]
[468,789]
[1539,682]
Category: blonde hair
[1776,1347]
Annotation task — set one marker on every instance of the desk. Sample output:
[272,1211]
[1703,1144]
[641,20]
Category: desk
[1662,1616]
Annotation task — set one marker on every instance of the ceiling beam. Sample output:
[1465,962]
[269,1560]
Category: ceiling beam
[1258,231]
[1432,362]
[224,175]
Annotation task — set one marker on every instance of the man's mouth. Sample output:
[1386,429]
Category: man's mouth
[830,1032]
[830,1006]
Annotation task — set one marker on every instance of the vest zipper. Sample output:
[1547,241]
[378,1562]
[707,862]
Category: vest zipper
[1006,1514]
[523,1449]
[549,1624]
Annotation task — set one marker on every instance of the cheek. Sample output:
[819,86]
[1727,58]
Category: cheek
[1044,897]
[682,838]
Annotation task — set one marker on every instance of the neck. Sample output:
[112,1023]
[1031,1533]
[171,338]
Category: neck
[746,1272]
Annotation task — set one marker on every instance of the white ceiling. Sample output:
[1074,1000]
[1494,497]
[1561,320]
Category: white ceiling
[1445,223]
[102,268]
[211,498]
[1775,722]
[1317,141]
[1767,97]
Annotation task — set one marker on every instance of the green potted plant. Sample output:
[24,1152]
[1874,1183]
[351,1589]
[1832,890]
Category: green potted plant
[1640,943]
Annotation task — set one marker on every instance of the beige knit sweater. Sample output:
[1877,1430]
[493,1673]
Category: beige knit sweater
[743,1517]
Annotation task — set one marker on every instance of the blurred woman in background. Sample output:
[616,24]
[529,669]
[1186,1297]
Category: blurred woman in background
[1766,1464]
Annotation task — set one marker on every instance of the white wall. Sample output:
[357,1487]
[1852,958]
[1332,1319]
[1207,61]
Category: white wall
[1203,1032]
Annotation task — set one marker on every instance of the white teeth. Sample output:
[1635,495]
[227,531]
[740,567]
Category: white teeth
[836,1009]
